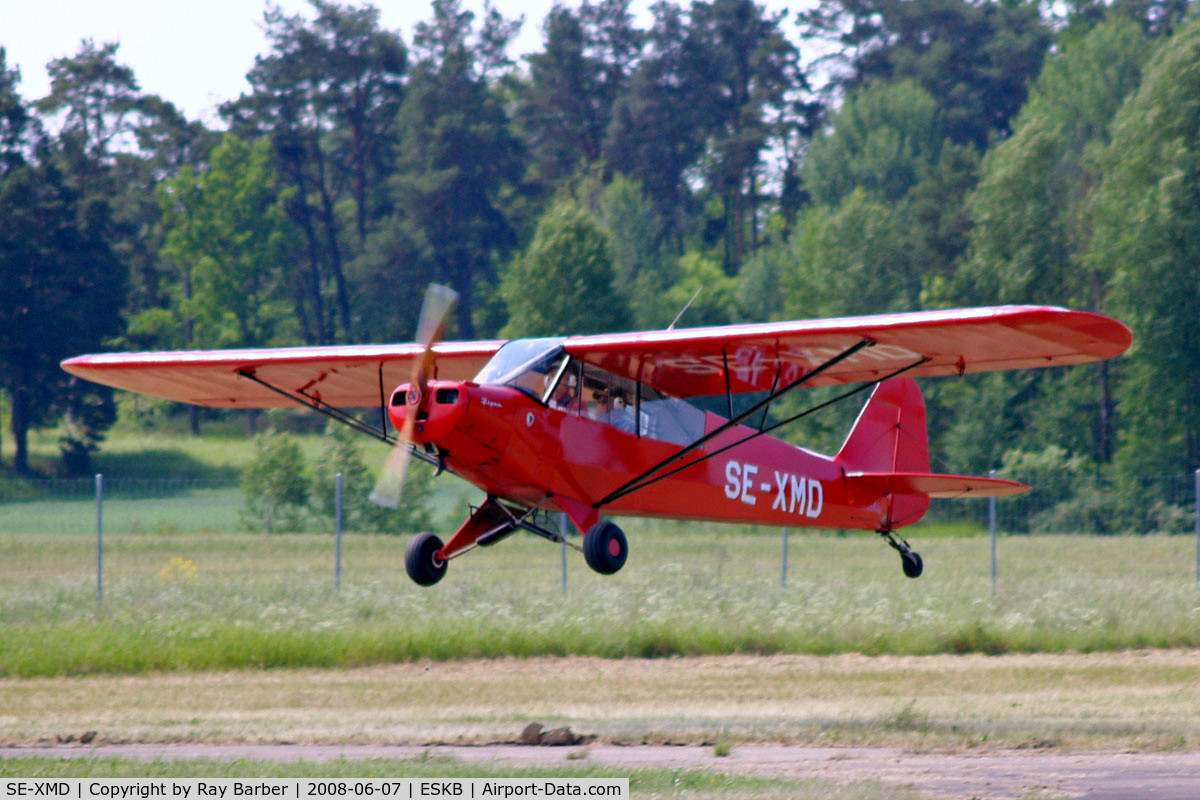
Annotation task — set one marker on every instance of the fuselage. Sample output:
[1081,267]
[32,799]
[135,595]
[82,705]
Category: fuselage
[518,448]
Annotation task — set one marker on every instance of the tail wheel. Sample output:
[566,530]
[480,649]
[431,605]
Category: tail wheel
[421,561]
[605,547]
[911,562]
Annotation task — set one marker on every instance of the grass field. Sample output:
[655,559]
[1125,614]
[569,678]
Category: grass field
[177,600]
[1145,700]
[184,592]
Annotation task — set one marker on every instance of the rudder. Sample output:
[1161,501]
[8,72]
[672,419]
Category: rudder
[890,436]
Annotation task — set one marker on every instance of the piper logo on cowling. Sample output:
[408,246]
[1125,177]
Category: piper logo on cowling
[795,494]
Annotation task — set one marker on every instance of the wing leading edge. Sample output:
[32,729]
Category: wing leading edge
[338,375]
[692,362]
[683,363]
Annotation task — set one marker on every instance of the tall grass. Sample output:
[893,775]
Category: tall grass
[267,601]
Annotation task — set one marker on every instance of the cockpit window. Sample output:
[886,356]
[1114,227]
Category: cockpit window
[526,364]
[542,369]
[642,411]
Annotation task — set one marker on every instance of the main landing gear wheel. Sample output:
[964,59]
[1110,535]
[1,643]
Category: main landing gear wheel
[421,561]
[910,561]
[605,547]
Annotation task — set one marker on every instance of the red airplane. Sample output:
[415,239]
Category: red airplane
[609,424]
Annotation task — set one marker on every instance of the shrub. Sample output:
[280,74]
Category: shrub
[275,488]
[341,454]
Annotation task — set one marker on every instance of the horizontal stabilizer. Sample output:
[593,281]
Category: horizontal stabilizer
[935,485]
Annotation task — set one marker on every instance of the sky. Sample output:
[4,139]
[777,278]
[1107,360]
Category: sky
[194,53]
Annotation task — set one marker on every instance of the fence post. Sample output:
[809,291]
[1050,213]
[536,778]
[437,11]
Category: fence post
[1198,526]
[337,532]
[99,539]
[992,532]
[562,535]
[783,567]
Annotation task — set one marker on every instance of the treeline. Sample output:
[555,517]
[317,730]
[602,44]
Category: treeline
[864,156]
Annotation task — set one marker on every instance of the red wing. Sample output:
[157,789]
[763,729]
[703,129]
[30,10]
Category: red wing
[689,362]
[345,376]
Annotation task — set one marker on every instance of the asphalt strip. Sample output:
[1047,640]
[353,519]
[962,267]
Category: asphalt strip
[993,774]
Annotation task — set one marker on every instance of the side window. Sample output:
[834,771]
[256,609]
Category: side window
[608,398]
[669,418]
[614,400]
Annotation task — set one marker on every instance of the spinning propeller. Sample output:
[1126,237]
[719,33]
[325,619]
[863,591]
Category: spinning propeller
[431,326]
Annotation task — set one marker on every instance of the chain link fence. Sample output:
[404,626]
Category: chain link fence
[1092,505]
[1121,506]
[131,505]
[153,529]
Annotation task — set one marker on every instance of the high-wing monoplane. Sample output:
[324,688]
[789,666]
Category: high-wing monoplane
[623,423]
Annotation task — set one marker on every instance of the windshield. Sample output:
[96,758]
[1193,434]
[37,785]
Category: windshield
[526,364]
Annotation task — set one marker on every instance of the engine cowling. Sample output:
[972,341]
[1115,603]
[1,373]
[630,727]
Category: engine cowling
[437,412]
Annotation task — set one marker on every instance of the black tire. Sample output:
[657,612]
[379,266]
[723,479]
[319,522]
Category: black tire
[912,564]
[420,559]
[605,547]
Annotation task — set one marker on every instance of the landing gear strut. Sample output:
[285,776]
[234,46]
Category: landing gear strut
[910,560]
[605,547]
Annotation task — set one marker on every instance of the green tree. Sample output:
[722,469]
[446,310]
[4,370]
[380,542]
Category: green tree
[227,235]
[166,142]
[700,276]
[326,94]
[642,270]
[95,105]
[61,291]
[115,144]
[95,102]
[975,58]
[275,487]
[852,259]
[566,104]
[341,453]
[1146,234]
[1156,17]
[657,130]
[936,208]
[457,163]
[758,293]
[563,282]
[18,126]
[743,74]
[883,139]
[1030,228]
[1032,231]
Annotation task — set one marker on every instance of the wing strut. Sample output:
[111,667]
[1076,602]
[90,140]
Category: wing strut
[648,477]
[646,480]
[337,415]
[321,407]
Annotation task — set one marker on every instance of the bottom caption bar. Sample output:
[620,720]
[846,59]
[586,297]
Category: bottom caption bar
[311,788]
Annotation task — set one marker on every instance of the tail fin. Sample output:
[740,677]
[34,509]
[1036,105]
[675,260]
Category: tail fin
[889,434]
[887,452]
[890,437]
